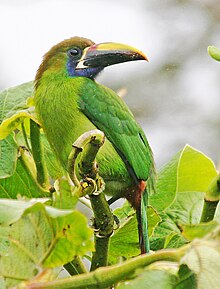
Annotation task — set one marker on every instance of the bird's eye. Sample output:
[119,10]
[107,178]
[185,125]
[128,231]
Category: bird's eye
[73,52]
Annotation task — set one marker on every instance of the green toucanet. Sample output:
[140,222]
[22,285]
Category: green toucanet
[70,102]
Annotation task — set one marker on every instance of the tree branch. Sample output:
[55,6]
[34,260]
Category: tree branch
[107,276]
[82,164]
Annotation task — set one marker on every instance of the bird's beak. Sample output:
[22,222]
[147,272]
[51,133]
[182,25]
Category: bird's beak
[109,53]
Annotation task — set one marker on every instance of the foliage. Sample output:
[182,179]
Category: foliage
[41,229]
[214,52]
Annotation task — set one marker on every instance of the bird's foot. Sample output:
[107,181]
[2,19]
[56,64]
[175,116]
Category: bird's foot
[92,187]
[88,186]
[100,186]
[102,231]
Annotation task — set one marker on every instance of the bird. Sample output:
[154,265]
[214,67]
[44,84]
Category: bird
[69,102]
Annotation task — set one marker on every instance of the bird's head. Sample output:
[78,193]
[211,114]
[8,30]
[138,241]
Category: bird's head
[81,57]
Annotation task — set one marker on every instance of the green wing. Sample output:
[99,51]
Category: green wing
[107,111]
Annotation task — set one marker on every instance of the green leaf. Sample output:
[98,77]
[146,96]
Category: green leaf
[15,99]
[187,278]
[12,210]
[214,52]
[54,167]
[10,124]
[63,197]
[187,208]
[203,259]
[8,156]
[198,268]
[193,172]
[39,237]
[23,181]
[15,107]
[166,185]
[189,170]
[167,234]
[2,283]
[196,171]
[156,279]
[191,232]
[124,211]
[125,242]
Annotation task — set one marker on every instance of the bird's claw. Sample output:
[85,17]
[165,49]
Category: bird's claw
[92,187]
[100,232]
[88,186]
[100,186]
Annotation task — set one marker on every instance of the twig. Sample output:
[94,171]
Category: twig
[25,137]
[107,276]
[211,200]
[37,152]
[76,266]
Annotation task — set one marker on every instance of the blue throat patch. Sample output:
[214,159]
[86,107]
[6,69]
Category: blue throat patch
[90,72]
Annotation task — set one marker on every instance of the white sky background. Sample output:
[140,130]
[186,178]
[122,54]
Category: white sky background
[30,28]
[176,97]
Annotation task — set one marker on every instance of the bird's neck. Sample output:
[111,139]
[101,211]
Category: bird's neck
[54,77]
[50,76]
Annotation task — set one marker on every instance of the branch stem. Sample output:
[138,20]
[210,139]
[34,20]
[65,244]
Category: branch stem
[107,276]
[211,200]
[82,164]
[25,137]
[208,211]
[75,267]
[37,152]
[104,223]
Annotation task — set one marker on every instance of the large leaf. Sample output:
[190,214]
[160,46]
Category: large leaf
[167,234]
[191,232]
[162,275]
[54,168]
[203,259]
[15,107]
[156,279]
[39,237]
[188,171]
[14,99]
[187,208]
[23,181]
[196,171]
[10,124]
[125,242]
[187,279]
[8,156]
[166,185]
[63,197]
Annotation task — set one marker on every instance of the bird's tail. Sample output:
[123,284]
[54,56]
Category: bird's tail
[141,212]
